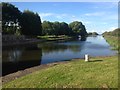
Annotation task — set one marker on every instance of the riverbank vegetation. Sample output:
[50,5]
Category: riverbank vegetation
[112,38]
[92,34]
[28,23]
[100,72]
[54,37]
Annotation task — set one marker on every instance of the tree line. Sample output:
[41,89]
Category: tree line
[29,23]
[93,33]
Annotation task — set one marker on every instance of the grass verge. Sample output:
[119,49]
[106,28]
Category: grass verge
[112,40]
[54,38]
[100,72]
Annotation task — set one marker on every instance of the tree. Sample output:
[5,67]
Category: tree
[65,30]
[47,28]
[56,27]
[93,33]
[31,23]
[78,28]
[10,18]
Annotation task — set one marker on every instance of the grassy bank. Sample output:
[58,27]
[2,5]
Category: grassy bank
[112,40]
[33,39]
[54,38]
[100,72]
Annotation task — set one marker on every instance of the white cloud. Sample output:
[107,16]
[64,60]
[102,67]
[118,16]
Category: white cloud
[112,17]
[104,23]
[104,15]
[46,14]
[75,18]
[95,14]
[109,5]
[111,28]
[57,16]
[61,16]
[87,22]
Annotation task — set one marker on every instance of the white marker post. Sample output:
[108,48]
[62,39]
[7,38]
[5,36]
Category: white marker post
[86,57]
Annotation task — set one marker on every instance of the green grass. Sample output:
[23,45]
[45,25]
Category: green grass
[100,72]
[112,40]
[53,37]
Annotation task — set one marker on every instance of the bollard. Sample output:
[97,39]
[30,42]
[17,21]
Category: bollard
[86,57]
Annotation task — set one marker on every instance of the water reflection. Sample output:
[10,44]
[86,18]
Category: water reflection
[58,47]
[83,38]
[13,56]
[21,57]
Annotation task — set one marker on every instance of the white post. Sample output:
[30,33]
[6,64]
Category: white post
[86,57]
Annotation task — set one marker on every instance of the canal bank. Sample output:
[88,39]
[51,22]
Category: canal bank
[10,40]
[100,71]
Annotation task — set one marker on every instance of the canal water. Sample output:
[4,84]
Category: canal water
[15,58]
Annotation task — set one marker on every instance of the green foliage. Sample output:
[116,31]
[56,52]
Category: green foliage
[112,38]
[47,28]
[31,23]
[78,28]
[57,28]
[65,29]
[54,37]
[16,22]
[93,33]
[115,32]
[10,17]
[113,41]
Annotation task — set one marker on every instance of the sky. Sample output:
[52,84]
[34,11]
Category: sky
[96,16]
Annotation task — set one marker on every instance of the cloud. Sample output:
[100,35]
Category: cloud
[87,22]
[45,14]
[61,16]
[112,17]
[55,15]
[108,29]
[111,28]
[103,15]
[109,5]
[95,14]
[104,23]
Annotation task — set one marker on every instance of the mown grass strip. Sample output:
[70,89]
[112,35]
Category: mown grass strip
[100,72]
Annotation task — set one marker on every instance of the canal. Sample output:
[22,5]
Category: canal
[15,58]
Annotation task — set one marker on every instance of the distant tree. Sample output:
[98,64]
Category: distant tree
[93,33]
[31,23]
[56,27]
[47,28]
[10,18]
[65,30]
[78,28]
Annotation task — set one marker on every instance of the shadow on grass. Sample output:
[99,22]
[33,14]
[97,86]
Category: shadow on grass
[96,61]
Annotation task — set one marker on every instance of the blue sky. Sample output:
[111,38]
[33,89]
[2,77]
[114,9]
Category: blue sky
[96,16]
